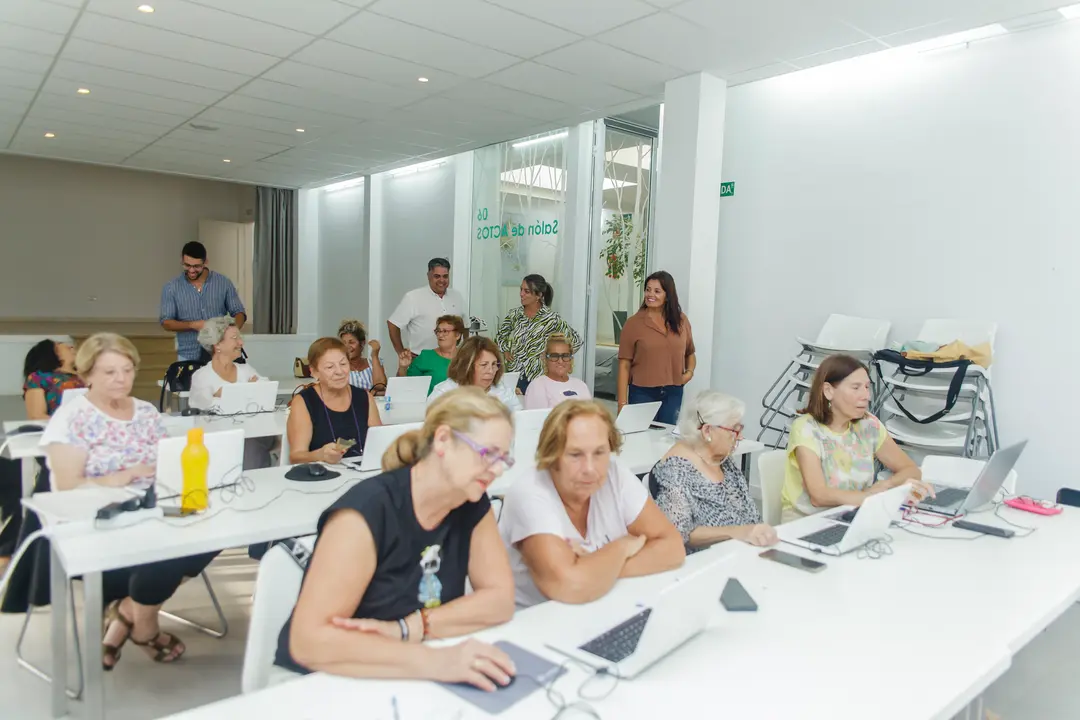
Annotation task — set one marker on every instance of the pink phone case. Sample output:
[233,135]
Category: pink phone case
[1032,506]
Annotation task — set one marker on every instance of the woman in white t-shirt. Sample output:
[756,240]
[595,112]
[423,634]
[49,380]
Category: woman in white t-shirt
[219,337]
[582,520]
[478,362]
[556,385]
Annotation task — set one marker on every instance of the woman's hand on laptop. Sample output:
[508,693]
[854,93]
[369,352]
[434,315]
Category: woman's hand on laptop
[474,662]
[920,490]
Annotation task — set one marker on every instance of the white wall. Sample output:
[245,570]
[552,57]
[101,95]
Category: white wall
[343,256]
[942,185]
[83,241]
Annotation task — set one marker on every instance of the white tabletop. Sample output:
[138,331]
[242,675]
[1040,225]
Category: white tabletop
[286,385]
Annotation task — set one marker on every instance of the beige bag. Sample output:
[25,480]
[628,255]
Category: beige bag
[956,350]
[301,369]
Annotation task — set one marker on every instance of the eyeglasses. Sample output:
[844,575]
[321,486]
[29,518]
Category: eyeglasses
[196,266]
[488,366]
[444,331]
[737,430]
[565,357]
[489,455]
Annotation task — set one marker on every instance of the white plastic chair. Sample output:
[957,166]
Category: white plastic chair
[277,586]
[959,472]
[845,332]
[283,460]
[771,479]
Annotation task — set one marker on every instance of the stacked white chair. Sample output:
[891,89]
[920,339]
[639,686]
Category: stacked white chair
[859,337]
[970,428]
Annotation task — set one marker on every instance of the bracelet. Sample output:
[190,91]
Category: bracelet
[426,620]
[404,629]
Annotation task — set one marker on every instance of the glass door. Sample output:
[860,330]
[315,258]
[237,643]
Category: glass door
[622,250]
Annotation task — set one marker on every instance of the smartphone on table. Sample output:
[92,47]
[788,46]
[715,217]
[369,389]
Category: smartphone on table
[794,561]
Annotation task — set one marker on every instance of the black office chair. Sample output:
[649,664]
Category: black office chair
[1068,496]
[178,379]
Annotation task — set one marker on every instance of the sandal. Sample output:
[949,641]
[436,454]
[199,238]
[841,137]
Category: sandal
[163,650]
[112,652]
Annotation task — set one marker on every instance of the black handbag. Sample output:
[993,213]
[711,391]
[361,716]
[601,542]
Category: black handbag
[919,368]
[178,378]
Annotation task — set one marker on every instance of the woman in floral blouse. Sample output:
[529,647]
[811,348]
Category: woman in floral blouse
[698,485]
[49,370]
[523,333]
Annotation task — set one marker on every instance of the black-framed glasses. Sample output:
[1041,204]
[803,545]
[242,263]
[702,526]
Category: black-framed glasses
[196,266]
[489,455]
[445,331]
[565,357]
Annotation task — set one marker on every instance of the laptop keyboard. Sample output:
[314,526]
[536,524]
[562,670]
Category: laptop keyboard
[947,497]
[621,641]
[826,537]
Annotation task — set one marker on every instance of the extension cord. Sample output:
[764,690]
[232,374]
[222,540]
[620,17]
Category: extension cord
[83,527]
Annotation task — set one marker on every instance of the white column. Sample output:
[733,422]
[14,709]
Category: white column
[373,220]
[307,264]
[688,204]
[460,276]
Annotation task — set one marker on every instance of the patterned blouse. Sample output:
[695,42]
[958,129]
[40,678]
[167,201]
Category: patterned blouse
[54,384]
[525,339]
[691,500]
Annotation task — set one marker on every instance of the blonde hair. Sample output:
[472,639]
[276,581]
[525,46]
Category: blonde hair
[354,328]
[213,331]
[557,339]
[97,344]
[458,410]
[553,435]
[468,353]
[322,346]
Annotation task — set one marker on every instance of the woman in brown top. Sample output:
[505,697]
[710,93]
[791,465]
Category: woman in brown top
[656,350]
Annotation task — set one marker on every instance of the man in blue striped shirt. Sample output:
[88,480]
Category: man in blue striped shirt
[196,295]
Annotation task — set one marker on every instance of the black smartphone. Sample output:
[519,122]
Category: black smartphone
[736,599]
[793,560]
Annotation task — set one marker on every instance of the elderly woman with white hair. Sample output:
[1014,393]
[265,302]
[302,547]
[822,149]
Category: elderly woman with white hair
[699,486]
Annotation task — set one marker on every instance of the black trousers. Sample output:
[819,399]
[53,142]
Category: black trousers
[153,583]
[10,505]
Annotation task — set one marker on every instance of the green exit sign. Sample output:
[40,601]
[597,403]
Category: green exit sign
[727,189]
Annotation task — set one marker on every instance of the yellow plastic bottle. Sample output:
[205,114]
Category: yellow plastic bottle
[194,461]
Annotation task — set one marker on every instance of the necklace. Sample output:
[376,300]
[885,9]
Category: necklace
[714,463]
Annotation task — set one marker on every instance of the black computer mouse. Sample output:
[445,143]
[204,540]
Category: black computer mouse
[23,429]
[507,686]
[315,470]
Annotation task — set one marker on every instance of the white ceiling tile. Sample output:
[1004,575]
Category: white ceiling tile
[585,17]
[418,45]
[207,23]
[339,83]
[47,149]
[91,53]
[480,23]
[21,78]
[197,152]
[130,35]
[315,125]
[844,53]
[307,102]
[20,60]
[227,133]
[769,29]
[34,135]
[187,137]
[663,3]
[120,96]
[13,96]
[692,47]
[926,32]
[611,65]
[69,102]
[511,101]
[68,3]
[46,114]
[38,15]
[95,77]
[20,38]
[375,66]
[7,130]
[74,125]
[281,111]
[357,3]
[761,73]
[379,130]
[558,85]
[314,16]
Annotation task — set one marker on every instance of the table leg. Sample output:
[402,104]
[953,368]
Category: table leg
[59,602]
[746,465]
[94,697]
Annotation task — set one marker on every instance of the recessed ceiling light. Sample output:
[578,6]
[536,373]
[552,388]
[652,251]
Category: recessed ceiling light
[146,8]
[1072,12]
[50,135]
[422,79]
[226,160]
[83,91]
[299,129]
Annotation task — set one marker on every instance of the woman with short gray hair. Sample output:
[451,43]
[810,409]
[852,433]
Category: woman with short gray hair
[221,338]
[698,484]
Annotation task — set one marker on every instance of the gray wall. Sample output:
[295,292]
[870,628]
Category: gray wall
[70,232]
[343,266]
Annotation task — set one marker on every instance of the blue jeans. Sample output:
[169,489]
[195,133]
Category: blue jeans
[670,397]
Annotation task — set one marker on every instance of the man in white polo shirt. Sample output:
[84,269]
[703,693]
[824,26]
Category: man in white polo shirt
[420,308]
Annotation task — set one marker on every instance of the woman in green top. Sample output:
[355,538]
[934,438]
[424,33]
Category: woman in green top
[449,330]
[524,332]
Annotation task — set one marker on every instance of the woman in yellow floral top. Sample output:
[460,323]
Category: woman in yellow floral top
[524,332]
[834,443]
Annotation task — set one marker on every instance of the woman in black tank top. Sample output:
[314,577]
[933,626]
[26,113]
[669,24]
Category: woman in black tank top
[331,410]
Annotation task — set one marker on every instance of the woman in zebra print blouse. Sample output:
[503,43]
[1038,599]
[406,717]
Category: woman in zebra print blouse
[523,333]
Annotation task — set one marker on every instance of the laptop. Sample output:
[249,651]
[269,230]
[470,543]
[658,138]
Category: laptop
[636,418]
[407,389]
[527,427]
[510,379]
[953,501]
[226,448]
[870,523]
[377,441]
[247,397]
[70,394]
[681,611]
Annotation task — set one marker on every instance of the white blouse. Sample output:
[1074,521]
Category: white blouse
[505,393]
[205,382]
